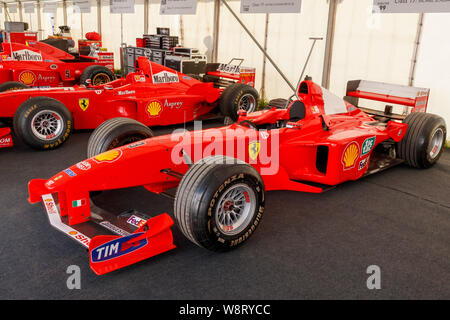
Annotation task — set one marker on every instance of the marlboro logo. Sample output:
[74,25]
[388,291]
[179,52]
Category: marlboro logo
[165,77]
[27,55]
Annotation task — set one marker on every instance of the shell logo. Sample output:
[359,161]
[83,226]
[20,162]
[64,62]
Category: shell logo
[154,108]
[351,154]
[108,156]
[27,77]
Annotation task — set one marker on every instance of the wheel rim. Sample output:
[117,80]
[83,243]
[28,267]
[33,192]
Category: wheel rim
[436,143]
[247,103]
[100,78]
[46,125]
[235,208]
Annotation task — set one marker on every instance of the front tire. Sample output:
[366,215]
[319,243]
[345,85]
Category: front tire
[423,143]
[96,75]
[12,85]
[238,97]
[219,203]
[43,123]
[115,133]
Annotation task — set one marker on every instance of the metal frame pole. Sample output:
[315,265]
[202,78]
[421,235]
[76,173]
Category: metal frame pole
[332,9]
[259,46]
[38,9]
[99,16]
[19,7]
[146,22]
[215,50]
[417,41]
[263,75]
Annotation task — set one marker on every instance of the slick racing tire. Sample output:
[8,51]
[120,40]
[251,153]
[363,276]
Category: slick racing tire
[43,123]
[279,103]
[97,75]
[238,96]
[115,133]
[423,143]
[12,85]
[219,203]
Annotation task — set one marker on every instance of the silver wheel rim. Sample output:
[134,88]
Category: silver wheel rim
[47,125]
[436,143]
[247,103]
[235,209]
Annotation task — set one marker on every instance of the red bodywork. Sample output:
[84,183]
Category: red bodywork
[37,64]
[286,157]
[142,95]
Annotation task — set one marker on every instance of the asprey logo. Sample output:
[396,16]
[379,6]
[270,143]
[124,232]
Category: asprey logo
[165,77]
[27,55]
[118,247]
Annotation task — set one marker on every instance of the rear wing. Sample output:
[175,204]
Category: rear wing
[224,74]
[410,97]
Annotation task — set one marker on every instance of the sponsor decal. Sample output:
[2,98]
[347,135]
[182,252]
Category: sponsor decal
[108,225]
[229,68]
[117,247]
[139,78]
[136,221]
[187,78]
[165,77]
[136,144]
[53,66]
[27,55]
[83,103]
[50,206]
[172,105]
[83,165]
[154,108]
[58,177]
[69,172]
[264,135]
[5,141]
[315,109]
[27,77]
[108,156]
[363,163]
[46,78]
[253,149]
[126,92]
[367,146]
[80,237]
[350,155]
[78,203]
[98,91]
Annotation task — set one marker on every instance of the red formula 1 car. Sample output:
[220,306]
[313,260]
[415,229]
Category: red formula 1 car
[155,95]
[26,62]
[218,177]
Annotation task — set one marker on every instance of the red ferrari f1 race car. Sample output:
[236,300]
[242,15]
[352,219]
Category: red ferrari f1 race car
[154,95]
[26,62]
[218,177]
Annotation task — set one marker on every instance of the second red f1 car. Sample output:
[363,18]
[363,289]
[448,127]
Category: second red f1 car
[218,177]
[154,95]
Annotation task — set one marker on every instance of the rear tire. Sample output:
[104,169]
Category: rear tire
[237,97]
[423,143]
[219,203]
[115,133]
[43,123]
[97,75]
[12,85]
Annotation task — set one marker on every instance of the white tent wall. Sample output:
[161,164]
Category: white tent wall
[74,18]
[289,45]
[377,47]
[433,65]
[30,18]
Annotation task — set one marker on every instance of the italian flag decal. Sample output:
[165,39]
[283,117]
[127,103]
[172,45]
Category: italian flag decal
[78,203]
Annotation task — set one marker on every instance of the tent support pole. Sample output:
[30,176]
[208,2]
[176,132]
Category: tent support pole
[332,9]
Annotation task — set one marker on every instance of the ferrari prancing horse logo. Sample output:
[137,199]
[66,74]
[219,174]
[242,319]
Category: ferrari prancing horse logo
[253,149]
[83,103]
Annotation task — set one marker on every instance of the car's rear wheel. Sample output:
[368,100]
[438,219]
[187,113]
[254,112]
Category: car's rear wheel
[43,123]
[115,133]
[219,203]
[238,97]
[12,85]
[423,143]
[96,75]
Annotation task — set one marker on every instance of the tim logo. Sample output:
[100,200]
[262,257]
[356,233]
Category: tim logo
[118,247]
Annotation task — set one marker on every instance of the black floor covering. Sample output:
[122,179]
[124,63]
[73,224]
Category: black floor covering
[307,246]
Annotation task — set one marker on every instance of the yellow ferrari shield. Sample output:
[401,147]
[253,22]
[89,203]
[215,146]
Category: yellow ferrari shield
[253,149]
[83,103]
